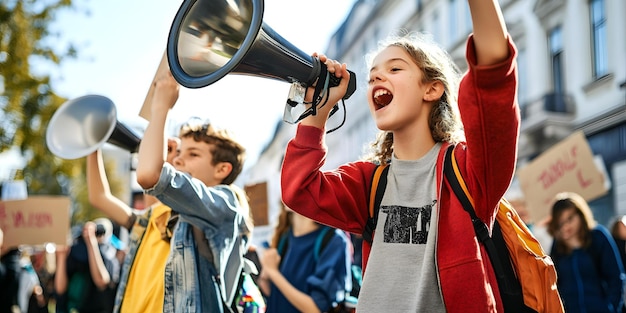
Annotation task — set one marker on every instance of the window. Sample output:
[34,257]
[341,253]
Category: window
[598,33]
[556,53]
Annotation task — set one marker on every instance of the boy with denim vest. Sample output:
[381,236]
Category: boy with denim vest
[207,247]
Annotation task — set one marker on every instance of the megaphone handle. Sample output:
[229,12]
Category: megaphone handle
[334,81]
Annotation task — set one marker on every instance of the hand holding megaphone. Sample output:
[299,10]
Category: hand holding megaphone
[324,94]
[334,80]
[320,98]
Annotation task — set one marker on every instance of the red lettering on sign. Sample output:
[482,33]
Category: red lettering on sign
[558,169]
[581,180]
[33,219]
[18,219]
[3,216]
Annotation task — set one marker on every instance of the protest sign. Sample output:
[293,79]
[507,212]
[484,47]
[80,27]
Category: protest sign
[161,71]
[567,166]
[257,195]
[35,220]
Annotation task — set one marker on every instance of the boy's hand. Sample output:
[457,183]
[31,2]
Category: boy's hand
[172,149]
[166,91]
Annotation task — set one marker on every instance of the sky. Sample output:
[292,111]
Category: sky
[121,42]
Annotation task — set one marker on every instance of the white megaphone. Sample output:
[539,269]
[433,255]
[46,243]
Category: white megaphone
[82,125]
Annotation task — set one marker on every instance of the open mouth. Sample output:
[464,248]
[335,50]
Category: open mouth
[382,97]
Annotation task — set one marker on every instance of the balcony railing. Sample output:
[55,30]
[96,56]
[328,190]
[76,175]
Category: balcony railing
[547,105]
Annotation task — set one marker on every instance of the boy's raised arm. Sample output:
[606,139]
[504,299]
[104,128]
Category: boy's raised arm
[152,150]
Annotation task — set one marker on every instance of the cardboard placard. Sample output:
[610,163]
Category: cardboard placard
[161,71]
[567,166]
[36,220]
[257,195]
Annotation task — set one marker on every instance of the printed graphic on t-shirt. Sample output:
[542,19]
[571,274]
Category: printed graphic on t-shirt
[406,224]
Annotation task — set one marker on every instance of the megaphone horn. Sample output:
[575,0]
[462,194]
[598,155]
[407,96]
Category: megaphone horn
[82,125]
[211,38]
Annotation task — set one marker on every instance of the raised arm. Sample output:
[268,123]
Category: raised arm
[98,271]
[490,33]
[152,150]
[100,192]
[489,109]
[60,277]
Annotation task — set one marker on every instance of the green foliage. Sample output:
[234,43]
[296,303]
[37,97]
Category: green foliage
[28,100]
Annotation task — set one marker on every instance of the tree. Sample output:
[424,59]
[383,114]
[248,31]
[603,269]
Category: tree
[28,100]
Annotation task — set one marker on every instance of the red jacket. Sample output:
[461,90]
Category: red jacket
[339,198]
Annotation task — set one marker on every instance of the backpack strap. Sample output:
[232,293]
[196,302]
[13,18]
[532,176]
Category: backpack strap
[451,170]
[322,241]
[283,244]
[452,173]
[500,258]
[379,183]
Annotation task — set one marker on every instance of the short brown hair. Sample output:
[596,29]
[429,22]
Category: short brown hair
[225,147]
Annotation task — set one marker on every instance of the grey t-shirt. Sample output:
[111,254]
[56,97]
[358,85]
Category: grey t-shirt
[401,272]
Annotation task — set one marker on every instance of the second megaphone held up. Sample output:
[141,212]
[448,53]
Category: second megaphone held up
[212,38]
[80,126]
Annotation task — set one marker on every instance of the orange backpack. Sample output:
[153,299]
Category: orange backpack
[525,273]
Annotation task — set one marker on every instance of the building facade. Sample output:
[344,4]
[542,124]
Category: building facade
[572,76]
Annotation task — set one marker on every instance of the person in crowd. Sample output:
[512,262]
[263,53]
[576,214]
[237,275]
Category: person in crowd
[412,96]
[9,276]
[618,231]
[21,289]
[208,245]
[141,286]
[590,273]
[33,279]
[304,270]
[87,272]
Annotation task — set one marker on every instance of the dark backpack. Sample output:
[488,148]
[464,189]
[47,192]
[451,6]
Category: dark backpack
[525,273]
[322,240]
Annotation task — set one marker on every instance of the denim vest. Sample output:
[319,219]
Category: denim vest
[193,283]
